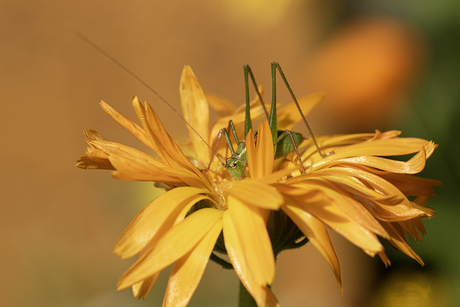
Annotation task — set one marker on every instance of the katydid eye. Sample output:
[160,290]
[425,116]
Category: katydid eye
[231,164]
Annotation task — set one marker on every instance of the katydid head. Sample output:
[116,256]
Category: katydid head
[236,164]
[236,167]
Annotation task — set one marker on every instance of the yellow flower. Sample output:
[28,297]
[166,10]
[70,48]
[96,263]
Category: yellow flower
[354,190]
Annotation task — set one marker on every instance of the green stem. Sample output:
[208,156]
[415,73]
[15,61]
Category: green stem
[245,299]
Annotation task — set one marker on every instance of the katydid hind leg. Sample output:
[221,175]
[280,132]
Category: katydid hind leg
[277,65]
[248,74]
[231,127]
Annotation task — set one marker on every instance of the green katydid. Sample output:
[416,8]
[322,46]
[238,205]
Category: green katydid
[284,142]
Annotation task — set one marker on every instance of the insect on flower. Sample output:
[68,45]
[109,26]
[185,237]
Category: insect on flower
[284,141]
[250,208]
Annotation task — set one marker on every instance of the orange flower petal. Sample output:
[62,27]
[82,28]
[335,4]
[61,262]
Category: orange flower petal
[173,150]
[385,147]
[316,232]
[256,194]
[94,158]
[260,157]
[132,127]
[252,234]
[415,165]
[347,203]
[409,185]
[155,219]
[91,161]
[276,176]
[221,105]
[419,224]
[410,228]
[166,147]
[196,113]
[132,164]
[143,288]
[177,242]
[399,212]
[261,293]
[350,184]
[330,214]
[385,259]
[188,270]
[399,242]
[333,142]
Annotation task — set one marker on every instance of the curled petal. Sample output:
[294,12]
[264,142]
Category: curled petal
[386,147]
[415,165]
[339,148]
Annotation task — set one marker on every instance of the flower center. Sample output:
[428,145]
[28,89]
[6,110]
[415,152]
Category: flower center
[220,186]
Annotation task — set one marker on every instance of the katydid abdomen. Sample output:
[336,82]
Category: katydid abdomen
[285,146]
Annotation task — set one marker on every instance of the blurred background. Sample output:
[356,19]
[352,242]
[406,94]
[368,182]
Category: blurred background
[383,65]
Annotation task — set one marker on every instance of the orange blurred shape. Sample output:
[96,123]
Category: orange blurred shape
[365,68]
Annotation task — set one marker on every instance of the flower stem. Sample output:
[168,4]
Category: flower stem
[245,299]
